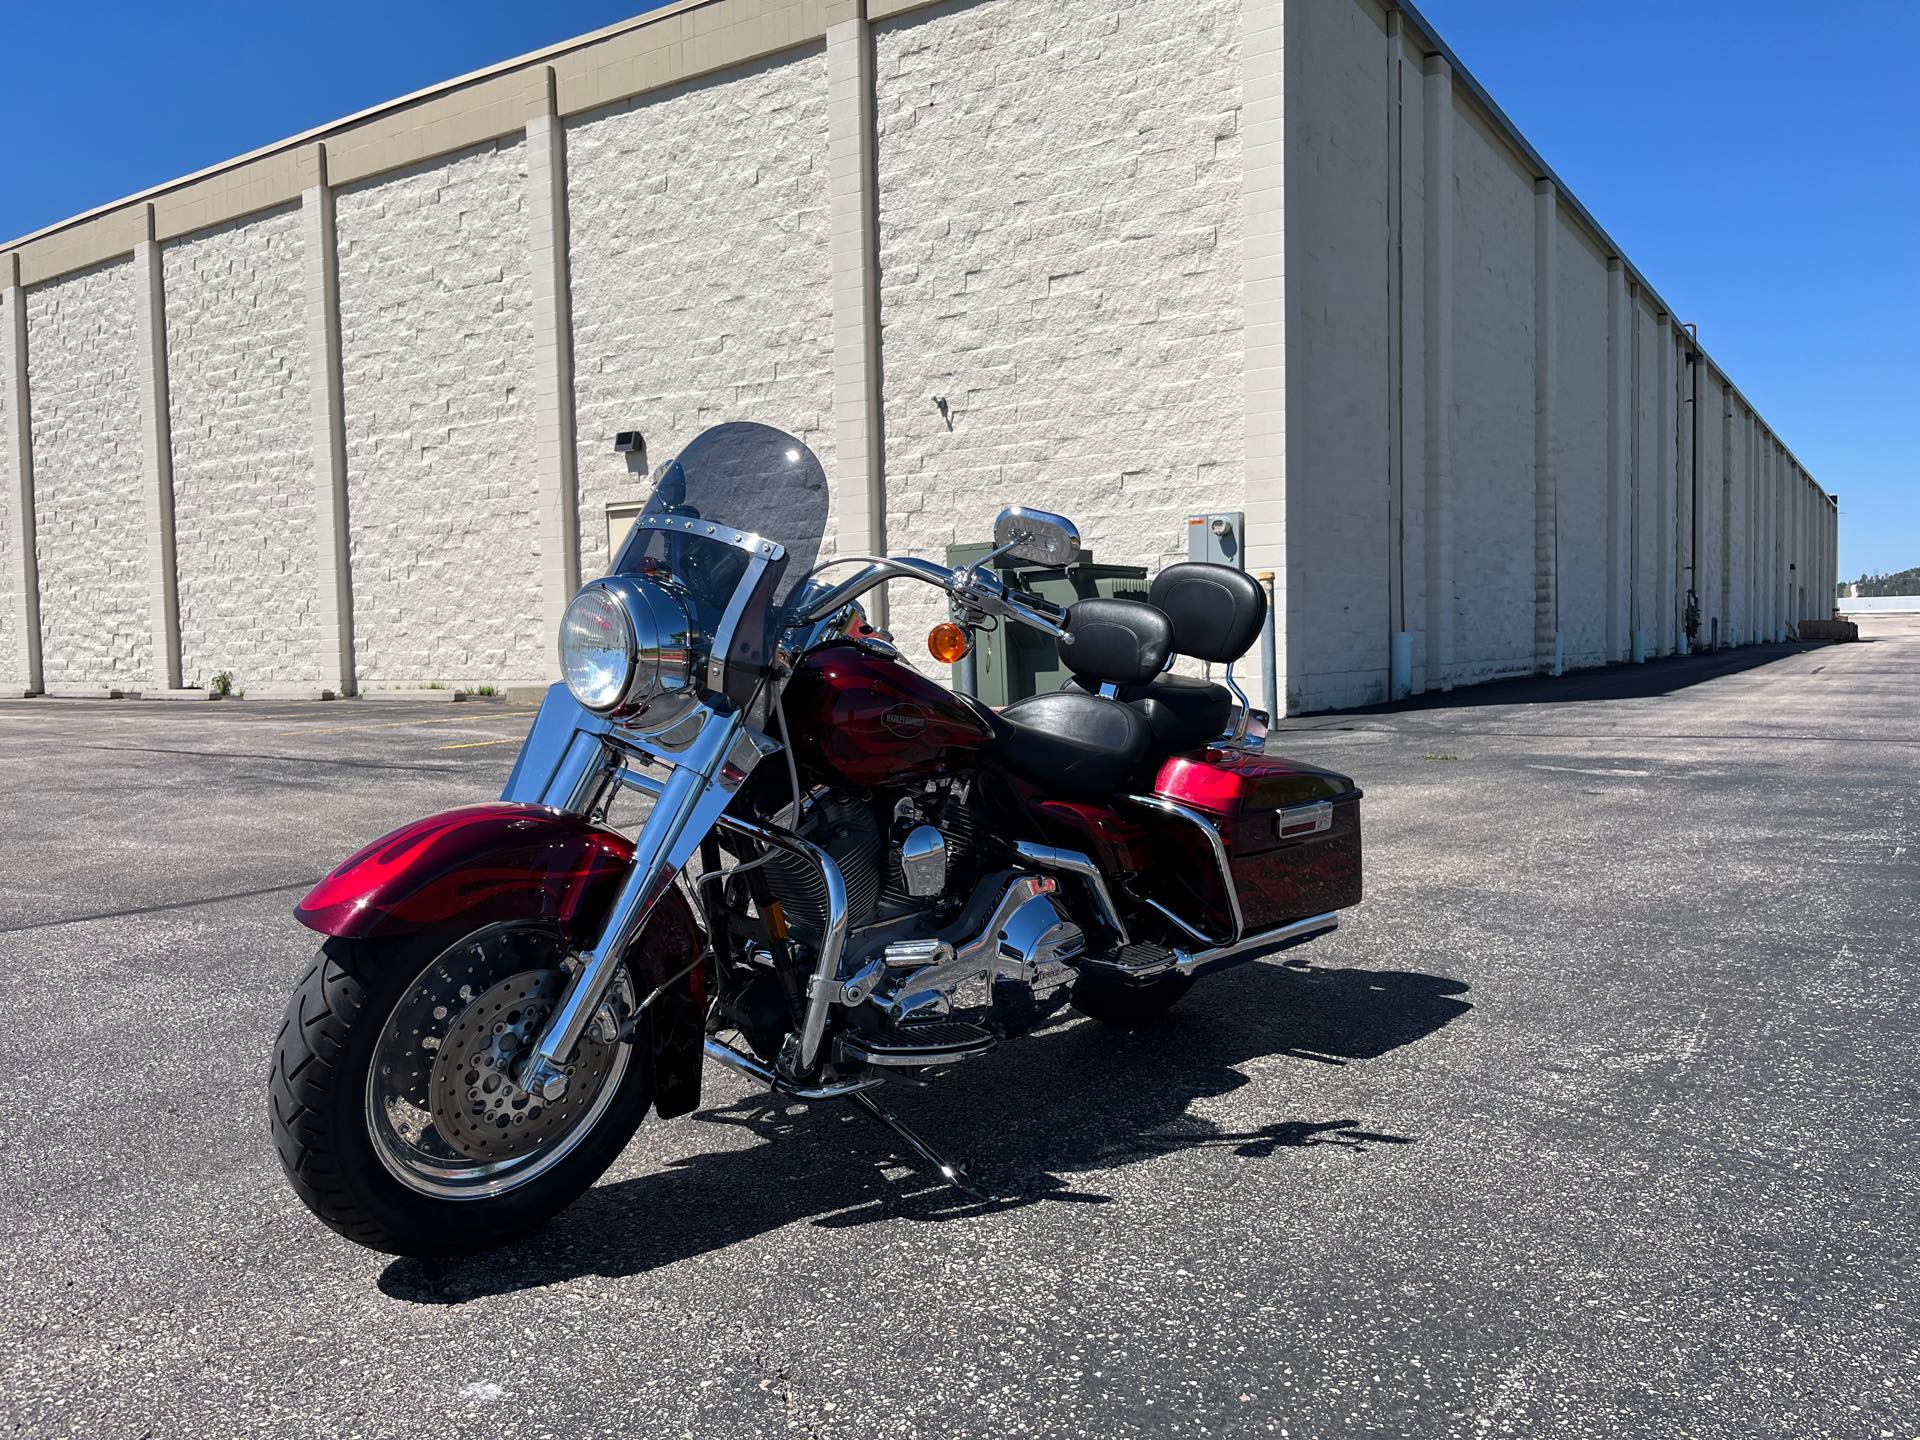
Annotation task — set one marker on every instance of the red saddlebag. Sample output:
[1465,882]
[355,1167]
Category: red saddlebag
[1292,833]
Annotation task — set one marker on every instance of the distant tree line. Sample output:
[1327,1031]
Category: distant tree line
[1897,582]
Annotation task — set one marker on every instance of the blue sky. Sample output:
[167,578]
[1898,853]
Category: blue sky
[1756,161]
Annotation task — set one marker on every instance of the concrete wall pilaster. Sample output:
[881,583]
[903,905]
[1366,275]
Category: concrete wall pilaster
[1666,612]
[1547,653]
[1263,67]
[23,578]
[1438,284]
[156,460]
[555,452]
[853,198]
[1782,541]
[1619,458]
[333,579]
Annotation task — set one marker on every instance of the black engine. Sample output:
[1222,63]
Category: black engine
[864,833]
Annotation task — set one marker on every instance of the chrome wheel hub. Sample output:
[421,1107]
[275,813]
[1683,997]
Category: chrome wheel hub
[444,1113]
[475,1103]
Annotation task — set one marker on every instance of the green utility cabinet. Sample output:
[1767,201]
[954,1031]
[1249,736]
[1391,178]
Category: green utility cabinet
[1013,660]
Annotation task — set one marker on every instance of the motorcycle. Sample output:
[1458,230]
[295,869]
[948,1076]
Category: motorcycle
[846,873]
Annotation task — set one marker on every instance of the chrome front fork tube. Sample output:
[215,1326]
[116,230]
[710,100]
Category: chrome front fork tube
[688,805]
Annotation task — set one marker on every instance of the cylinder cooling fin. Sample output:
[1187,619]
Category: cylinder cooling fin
[846,829]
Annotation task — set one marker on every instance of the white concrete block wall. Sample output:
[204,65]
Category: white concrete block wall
[702,275]
[1339,329]
[1076,263]
[240,406]
[1493,405]
[96,624]
[1580,444]
[437,378]
[1060,222]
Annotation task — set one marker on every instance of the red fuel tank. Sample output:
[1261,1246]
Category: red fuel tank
[861,718]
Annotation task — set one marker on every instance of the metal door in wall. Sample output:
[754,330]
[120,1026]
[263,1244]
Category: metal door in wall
[620,517]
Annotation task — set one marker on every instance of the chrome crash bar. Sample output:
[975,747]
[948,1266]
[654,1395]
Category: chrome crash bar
[823,988]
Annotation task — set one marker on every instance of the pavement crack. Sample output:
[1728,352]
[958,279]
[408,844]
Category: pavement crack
[284,759]
[290,885]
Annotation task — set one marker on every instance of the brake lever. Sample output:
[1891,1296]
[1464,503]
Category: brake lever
[991,595]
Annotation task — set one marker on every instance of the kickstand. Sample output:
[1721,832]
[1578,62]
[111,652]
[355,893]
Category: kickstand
[950,1172]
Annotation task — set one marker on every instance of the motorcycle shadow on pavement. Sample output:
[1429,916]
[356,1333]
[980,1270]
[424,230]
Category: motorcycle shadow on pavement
[1076,1097]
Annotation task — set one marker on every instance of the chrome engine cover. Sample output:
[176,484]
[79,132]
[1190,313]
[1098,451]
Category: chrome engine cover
[1028,939]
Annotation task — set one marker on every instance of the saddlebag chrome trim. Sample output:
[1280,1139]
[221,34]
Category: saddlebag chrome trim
[1219,848]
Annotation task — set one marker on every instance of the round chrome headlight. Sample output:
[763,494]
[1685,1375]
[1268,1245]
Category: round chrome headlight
[625,645]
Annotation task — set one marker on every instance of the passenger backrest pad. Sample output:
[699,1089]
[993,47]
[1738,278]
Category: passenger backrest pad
[1125,641]
[1216,610]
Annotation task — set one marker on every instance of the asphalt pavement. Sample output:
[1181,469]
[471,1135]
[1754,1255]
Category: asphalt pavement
[1598,1118]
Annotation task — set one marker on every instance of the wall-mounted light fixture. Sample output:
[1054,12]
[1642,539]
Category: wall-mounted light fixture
[633,445]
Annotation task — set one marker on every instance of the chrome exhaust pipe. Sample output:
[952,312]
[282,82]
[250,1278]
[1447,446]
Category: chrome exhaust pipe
[1251,947]
[1214,957]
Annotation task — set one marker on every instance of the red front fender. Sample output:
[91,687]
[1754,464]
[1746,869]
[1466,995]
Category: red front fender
[471,867]
[484,864]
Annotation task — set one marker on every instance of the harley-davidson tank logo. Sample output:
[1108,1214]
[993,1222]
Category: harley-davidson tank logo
[906,721]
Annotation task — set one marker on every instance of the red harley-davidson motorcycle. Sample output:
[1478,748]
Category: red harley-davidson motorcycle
[845,873]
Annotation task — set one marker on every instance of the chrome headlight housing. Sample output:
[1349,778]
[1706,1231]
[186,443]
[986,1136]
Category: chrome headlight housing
[626,645]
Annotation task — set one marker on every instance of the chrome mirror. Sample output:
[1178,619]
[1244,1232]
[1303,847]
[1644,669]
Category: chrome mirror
[1036,536]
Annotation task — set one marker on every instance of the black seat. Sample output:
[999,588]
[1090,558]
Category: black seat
[1216,612]
[1079,746]
[1182,711]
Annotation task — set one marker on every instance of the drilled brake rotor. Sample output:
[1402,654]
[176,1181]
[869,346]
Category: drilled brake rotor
[475,1105]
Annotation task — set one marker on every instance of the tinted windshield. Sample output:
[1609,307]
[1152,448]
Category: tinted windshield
[747,477]
[749,483]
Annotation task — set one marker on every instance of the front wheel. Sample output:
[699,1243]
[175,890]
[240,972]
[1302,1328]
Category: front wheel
[392,1098]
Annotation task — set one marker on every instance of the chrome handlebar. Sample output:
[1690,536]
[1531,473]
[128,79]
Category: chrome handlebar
[973,587]
[978,589]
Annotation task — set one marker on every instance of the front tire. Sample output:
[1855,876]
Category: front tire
[356,1002]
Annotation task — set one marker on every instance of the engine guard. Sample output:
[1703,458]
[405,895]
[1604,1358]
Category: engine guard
[484,864]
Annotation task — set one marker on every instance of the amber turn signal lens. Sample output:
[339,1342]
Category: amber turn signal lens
[947,643]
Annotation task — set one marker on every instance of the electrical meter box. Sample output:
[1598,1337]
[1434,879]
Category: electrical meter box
[1217,539]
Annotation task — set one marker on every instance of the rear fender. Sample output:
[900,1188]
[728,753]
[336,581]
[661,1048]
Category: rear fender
[483,864]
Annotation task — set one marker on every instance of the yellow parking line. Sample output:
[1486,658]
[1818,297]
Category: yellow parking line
[476,744]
